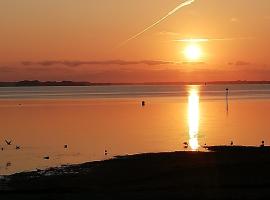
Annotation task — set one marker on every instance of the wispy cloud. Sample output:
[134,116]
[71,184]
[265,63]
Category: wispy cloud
[106,62]
[234,20]
[186,3]
[211,39]
[239,63]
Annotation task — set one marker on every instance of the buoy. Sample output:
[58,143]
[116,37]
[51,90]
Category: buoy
[143,103]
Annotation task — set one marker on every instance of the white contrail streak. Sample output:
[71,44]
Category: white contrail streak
[188,2]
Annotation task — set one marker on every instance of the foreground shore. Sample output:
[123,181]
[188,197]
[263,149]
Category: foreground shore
[181,175]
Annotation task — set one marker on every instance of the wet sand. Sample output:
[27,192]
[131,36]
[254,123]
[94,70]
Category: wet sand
[181,175]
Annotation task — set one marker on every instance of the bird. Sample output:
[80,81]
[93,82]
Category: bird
[46,158]
[8,142]
[262,145]
[8,164]
[18,147]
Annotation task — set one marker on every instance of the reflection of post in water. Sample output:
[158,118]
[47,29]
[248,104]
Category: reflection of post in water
[227,100]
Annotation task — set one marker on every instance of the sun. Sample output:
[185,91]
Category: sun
[193,52]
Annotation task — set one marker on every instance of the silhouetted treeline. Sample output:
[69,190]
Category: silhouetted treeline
[46,83]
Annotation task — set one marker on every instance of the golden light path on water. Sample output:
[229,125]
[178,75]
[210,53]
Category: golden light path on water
[193,117]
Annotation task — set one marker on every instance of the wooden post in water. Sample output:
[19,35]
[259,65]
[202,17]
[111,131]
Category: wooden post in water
[227,100]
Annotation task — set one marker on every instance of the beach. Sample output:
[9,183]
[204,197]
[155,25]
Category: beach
[179,175]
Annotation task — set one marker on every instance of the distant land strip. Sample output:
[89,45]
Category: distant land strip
[36,83]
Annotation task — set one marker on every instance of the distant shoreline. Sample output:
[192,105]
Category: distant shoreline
[36,83]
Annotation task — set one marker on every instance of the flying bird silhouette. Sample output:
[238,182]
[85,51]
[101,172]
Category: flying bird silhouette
[8,142]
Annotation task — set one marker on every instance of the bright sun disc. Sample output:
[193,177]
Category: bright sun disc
[193,52]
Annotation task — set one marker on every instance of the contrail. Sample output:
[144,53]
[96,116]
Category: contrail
[188,2]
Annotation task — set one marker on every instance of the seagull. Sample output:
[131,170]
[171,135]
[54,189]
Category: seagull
[262,145]
[8,164]
[8,142]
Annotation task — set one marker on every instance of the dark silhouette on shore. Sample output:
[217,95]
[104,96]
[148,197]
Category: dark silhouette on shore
[32,83]
[175,175]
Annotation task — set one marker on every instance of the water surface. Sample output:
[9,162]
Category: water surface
[93,119]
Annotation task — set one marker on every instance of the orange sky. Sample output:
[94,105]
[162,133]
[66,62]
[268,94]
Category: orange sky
[78,40]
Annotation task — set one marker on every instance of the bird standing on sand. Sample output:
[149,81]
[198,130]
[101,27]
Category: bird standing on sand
[185,145]
[8,142]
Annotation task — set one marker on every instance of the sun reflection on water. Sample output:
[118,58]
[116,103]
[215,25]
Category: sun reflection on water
[193,117]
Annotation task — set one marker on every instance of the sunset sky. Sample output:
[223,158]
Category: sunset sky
[84,40]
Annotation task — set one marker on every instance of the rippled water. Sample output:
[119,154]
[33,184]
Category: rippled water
[90,120]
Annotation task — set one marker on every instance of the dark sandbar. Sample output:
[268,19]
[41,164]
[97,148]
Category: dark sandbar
[180,175]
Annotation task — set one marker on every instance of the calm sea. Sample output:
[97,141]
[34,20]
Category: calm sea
[90,120]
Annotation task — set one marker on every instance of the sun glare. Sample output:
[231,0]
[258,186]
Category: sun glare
[193,52]
[193,118]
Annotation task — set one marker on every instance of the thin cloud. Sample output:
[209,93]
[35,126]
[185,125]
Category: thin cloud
[211,39]
[239,63]
[108,62]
